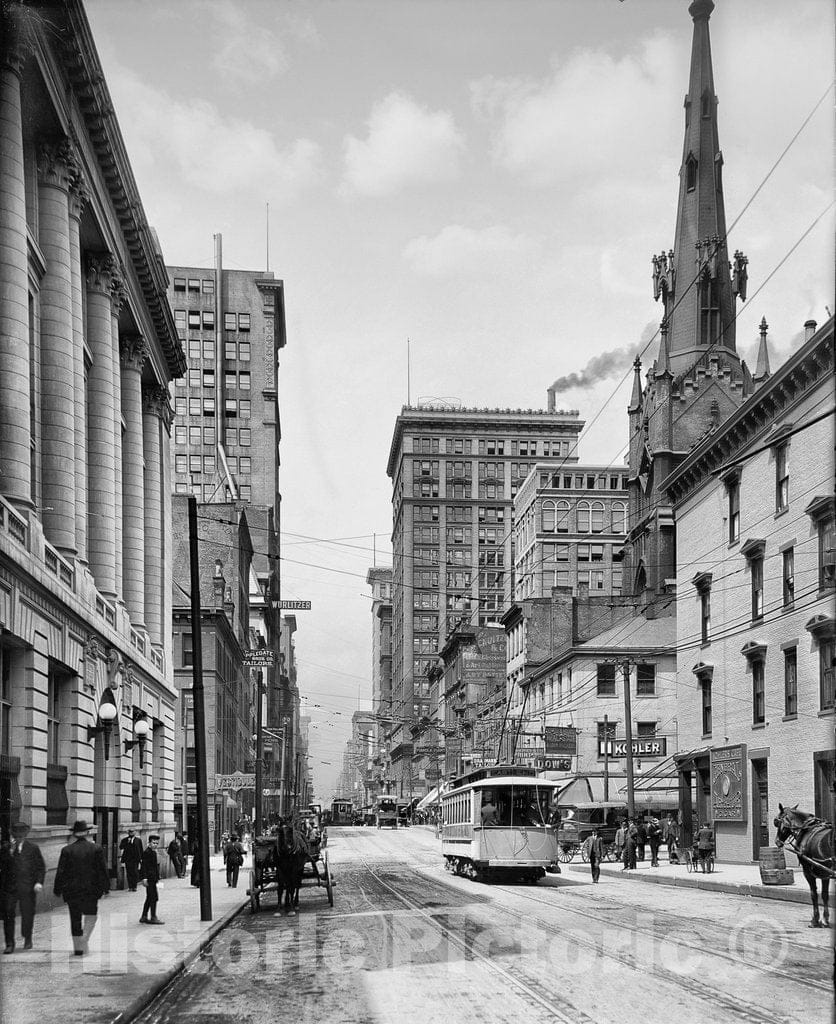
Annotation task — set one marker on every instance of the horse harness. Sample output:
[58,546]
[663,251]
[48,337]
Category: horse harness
[797,833]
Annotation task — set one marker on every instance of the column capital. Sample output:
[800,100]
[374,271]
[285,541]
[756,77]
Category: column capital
[100,270]
[118,292]
[133,349]
[16,45]
[57,163]
[155,401]
[79,195]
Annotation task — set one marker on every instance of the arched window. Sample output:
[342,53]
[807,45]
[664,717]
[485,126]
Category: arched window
[597,517]
[583,517]
[563,517]
[691,172]
[619,518]
[549,517]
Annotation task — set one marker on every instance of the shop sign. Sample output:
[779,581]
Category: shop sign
[296,606]
[259,658]
[554,764]
[237,780]
[431,774]
[728,783]
[561,740]
[657,747]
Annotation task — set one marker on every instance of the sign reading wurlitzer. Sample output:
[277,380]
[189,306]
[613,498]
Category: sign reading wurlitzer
[561,740]
[728,783]
[296,606]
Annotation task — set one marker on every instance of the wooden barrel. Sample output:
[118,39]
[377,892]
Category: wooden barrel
[771,863]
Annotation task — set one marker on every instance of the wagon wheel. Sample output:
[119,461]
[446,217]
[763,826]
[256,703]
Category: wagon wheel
[585,853]
[609,852]
[566,851]
[254,894]
[328,881]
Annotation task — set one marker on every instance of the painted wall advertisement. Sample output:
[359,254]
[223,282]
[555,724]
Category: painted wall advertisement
[728,783]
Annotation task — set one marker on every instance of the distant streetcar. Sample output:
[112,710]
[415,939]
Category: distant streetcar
[342,812]
[386,811]
[495,825]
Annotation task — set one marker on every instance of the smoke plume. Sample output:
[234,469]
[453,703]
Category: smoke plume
[602,367]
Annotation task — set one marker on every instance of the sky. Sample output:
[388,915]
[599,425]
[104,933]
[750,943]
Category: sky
[486,178]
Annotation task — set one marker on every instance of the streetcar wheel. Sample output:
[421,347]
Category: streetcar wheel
[565,852]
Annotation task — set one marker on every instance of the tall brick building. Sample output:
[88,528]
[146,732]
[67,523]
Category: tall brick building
[88,347]
[454,474]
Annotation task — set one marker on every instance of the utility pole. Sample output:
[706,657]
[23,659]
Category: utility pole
[259,755]
[628,729]
[201,787]
[606,758]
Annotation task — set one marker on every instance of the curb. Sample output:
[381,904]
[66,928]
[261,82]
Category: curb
[162,981]
[786,894]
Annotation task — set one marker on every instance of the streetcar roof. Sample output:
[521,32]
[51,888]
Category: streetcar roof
[497,782]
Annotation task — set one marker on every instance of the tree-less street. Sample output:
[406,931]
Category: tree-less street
[407,940]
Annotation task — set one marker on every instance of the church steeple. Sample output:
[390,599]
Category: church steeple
[762,367]
[694,279]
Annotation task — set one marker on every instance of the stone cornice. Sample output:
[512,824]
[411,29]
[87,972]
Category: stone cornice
[804,370]
[79,57]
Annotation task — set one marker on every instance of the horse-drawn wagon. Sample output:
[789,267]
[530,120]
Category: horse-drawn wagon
[282,862]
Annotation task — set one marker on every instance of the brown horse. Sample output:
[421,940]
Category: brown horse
[292,856]
[810,839]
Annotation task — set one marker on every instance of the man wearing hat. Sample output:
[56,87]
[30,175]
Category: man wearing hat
[150,874]
[82,879]
[22,871]
[130,854]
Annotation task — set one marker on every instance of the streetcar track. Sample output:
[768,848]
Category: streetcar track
[747,1011]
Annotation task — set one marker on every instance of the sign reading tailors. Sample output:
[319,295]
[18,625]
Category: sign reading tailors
[260,658]
[561,740]
[728,783]
[295,606]
[656,747]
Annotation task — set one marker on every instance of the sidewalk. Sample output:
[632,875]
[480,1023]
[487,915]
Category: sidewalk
[741,879]
[128,963]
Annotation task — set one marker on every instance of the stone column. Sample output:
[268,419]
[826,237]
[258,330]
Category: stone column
[56,168]
[155,408]
[117,295]
[79,195]
[101,421]
[15,430]
[134,353]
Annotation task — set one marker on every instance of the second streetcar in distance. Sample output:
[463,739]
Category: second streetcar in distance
[495,825]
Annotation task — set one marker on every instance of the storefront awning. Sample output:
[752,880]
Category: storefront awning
[686,760]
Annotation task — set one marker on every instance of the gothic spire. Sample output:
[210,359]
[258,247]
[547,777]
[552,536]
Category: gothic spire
[663,363]
[636,397]
[694,280]
[762,370]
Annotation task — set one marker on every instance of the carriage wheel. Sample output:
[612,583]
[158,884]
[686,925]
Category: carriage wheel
[329,884]
[254,896]
[565,852]
[609,852]
[585,853]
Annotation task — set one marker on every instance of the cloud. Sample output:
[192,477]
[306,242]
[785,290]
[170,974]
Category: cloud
[586,118]
[458,249]
[194,142]
[407,144]
[249,51]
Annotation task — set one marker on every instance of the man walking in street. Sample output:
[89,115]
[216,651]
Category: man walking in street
[150,875]
[130,854]
[596,854]
[22,872]
[81,879]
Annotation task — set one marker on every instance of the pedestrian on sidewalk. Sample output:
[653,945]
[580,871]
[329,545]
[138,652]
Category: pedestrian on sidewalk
[654,837]
[233,858]
[176,857]
[596,854]
[184,851]
[150,877]
[672,839]
[705,845]
[195,876]
[641,840]
[22,872]
[620,837]
[630,846]
[130,855]
[81,879]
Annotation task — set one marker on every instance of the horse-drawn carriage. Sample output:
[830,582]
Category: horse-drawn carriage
[282,862]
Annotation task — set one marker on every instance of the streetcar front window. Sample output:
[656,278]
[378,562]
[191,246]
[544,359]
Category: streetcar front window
[530,806]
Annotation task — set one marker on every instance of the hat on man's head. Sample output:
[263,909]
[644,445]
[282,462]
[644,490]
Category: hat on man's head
[156,838]
[80,828]
[20,826]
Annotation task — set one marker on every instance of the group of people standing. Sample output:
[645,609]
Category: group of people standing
[633,837]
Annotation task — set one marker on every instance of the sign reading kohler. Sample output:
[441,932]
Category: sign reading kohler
[728,783]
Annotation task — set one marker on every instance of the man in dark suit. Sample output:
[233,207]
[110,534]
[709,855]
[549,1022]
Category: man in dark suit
[22,871]
[130,854]
[82,879]
[150,874]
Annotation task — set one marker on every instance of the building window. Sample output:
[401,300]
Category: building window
[194,319]
[691,172]
[208,284]
[180,319]
[208,406]
[243,321]
[758,696]
[645,680]
[194,378]
[188,651]
[230,321]
[244,380]
[782,479]
[195,463]
[705,694]
[208,378]
[619,518]
[549,514]
[209,436]
[788,576]
[230,351]
[194,407]
[230,437]
[244,351]
[195,435]
[827,668]
[791,682]
[733,487]
[244,408]
[244,437]
[194,350]
[606,680]
[208,351]
[194,284]
[180,464]
[583,517]
[709,311]
[230,407]
[179,284]
[597,517]
[208,320]
[827,558]
[756,568]
[180,435]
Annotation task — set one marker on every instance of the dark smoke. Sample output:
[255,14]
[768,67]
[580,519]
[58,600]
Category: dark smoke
[608,364]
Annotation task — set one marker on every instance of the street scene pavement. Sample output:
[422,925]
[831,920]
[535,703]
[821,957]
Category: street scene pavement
[406,937]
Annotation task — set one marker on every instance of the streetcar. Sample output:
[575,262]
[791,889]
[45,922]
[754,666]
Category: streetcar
[342,812]
[495,825]
[386,811]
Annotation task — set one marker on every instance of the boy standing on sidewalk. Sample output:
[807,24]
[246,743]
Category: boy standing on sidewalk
[150,876]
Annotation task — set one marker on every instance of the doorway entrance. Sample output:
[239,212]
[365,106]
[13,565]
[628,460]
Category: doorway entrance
[760,807]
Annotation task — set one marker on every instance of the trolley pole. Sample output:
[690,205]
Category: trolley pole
[201,787]
[628,729]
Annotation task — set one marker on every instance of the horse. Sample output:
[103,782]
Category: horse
[811,840]
[291,857]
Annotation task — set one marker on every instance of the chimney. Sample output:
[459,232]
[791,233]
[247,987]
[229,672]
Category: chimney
[809,329]
[550,399]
